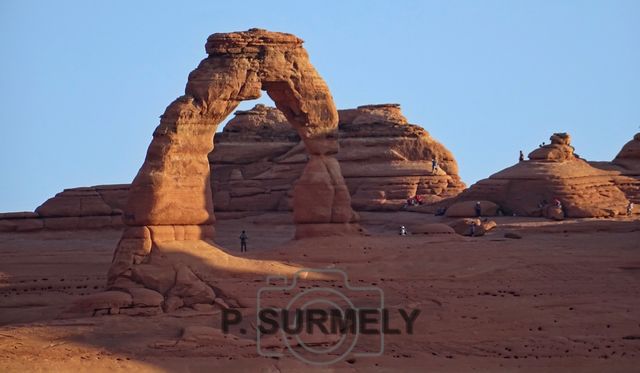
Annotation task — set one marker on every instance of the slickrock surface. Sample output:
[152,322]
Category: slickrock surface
[383,158]
[553,171]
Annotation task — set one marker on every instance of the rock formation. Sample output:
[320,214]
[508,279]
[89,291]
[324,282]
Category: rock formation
[170,200]
[93,207]
[626,169]
[259,156]
[553,171]
[472,227]
[629,156]
[171,193]
[384,160]
[559,150]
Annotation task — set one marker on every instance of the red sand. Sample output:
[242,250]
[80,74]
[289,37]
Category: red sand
[564,297]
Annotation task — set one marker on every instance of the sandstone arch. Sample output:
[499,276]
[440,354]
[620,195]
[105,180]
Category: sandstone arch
[170,198]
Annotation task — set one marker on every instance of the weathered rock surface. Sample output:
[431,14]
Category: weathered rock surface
[145,297]
[190,288]
[472,227]
[93,207]
[20,222]
[109,302]
[559,150]
[158,278]
[629,156]
[172,303]
[18,215]
[384,160]
[98,200]
[553,172]
[626,169]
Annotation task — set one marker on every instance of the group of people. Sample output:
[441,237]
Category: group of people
[414,201]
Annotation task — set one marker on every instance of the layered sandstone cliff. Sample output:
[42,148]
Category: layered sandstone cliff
[552,172]
[259,138]
[93,207]
[383,158]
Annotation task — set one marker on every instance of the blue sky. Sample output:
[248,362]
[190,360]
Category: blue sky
[83,82]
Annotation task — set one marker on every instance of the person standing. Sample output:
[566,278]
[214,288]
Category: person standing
[478,209]
[521,158]
[243,241]
[630,208]
[434,165]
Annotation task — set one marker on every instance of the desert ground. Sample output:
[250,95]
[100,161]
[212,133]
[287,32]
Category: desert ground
[565,296]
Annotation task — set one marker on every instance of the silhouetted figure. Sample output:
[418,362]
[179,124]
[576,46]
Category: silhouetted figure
[434,165]
[521,158]
[478,209]
[243,241]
